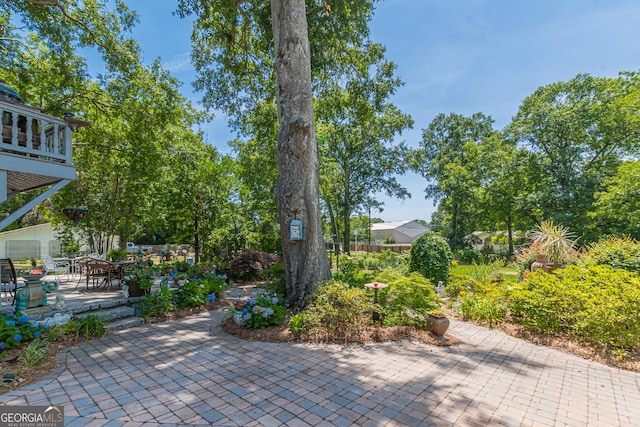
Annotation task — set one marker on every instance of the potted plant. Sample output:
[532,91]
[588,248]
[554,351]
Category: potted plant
[69,244]
[437,322]
[165,255]
[71,248]
[552,246]
[118,254]
[138,277]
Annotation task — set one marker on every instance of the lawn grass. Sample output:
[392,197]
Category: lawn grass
[508,274]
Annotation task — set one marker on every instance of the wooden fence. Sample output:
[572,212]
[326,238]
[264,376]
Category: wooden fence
[365,247]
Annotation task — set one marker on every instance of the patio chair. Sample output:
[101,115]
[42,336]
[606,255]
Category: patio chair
[101,272]
[51,265]
[9,280]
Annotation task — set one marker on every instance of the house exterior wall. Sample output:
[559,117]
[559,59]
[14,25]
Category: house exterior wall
[400,237]
[33,241]
[380,235]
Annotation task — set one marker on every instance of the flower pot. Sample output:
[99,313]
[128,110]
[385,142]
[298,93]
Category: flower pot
[544,265]
[437,325]
[134,289]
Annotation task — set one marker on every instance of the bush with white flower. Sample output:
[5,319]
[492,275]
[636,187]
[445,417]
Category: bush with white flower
[190,293]
[260,312]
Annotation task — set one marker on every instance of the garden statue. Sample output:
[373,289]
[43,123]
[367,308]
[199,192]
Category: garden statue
[125,291]
[60,304]
[34,294]
[440,289]
[57,319]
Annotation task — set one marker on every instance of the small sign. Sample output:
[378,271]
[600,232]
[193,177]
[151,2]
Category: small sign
[31,416]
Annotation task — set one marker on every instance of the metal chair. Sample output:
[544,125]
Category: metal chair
[50,265]
[9,280]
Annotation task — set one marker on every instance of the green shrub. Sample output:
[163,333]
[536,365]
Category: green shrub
[159,303]
[34,353]
[87,326]
[385,260]
[618,252]
[16,329]
[348,269]
[407,300]
[467,256]
[544,302]
[299,322]
[597,303]
[482,308]
[213,284]
[458,285]
[190,293]
[431,256]
[337,311]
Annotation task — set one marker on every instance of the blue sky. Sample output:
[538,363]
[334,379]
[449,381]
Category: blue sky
[455,56]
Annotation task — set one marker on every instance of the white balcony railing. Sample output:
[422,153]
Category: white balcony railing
[27,131]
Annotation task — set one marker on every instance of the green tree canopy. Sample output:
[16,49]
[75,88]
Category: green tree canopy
[449,158]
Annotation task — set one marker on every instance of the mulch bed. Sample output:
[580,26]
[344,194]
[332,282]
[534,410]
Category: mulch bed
[368,335]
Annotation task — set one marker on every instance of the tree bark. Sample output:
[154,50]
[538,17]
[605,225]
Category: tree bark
[510,234]
[298,190]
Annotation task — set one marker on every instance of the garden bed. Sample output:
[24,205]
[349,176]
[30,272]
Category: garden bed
[371,334]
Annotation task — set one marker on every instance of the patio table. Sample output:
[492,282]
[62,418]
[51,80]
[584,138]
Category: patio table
[72,262]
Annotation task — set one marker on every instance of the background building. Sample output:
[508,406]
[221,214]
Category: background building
[397,232]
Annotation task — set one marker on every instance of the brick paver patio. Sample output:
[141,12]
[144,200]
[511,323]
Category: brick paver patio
[189,372]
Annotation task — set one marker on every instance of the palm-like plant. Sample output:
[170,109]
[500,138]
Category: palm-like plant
[553,242]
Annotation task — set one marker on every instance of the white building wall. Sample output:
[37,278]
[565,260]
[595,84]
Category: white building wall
[33,241]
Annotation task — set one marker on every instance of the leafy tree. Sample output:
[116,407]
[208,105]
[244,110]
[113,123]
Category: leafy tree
[579,130]
[248,53]
[449,158]
[358,137]
[506,181]
[122,155]
[199,191]
[32,31]
[617,206]
[126,160]
[257,174]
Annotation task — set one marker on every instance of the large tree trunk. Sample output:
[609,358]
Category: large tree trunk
[298,191]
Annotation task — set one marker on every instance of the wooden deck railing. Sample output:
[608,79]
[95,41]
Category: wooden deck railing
[29,132]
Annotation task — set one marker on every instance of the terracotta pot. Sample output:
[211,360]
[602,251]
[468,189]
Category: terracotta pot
[544,265]
[437,325]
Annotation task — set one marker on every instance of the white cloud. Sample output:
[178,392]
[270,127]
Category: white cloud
[178,63]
